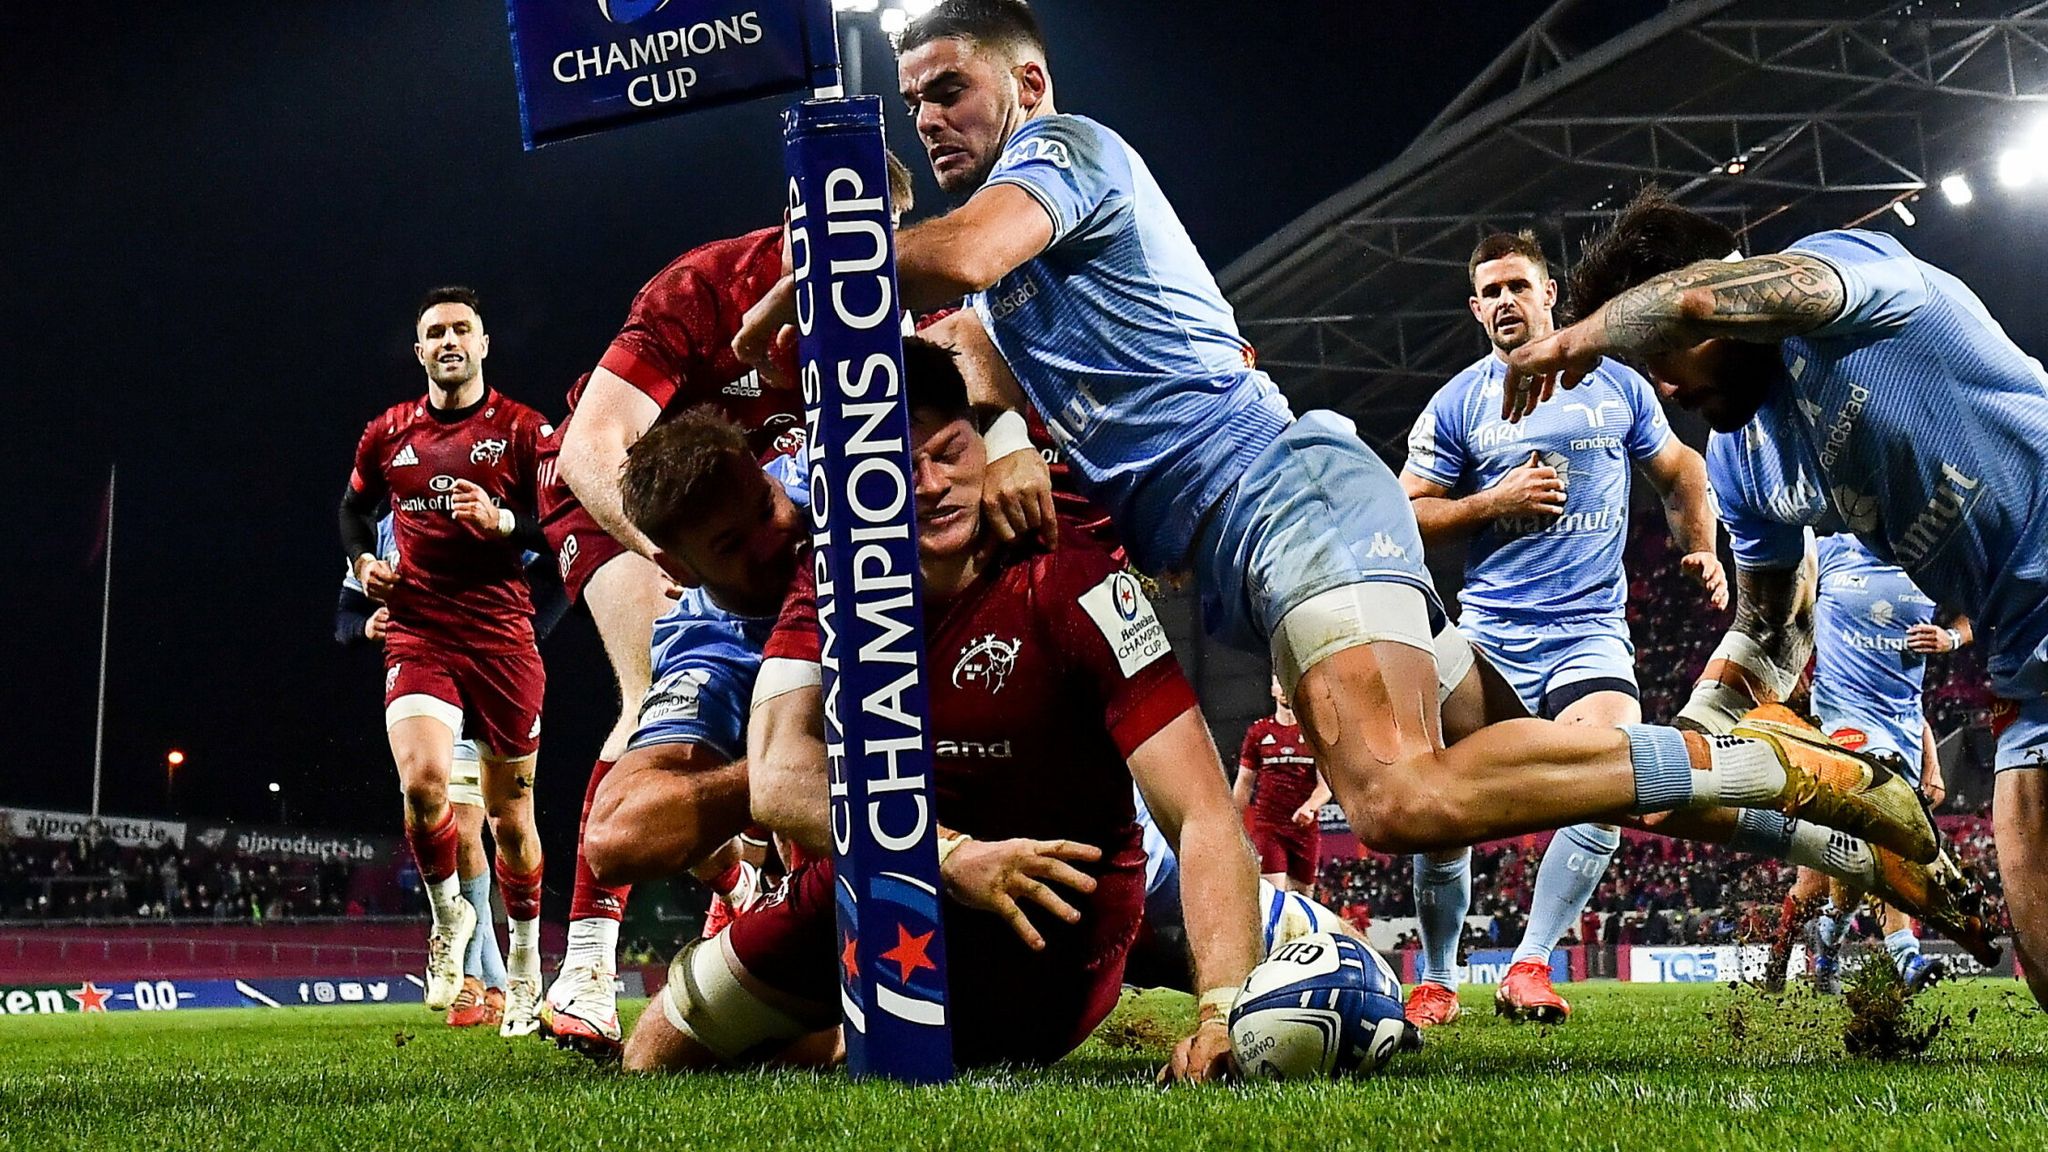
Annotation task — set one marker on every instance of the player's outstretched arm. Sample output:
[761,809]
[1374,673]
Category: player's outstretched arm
[1181,777]
[1761,658]
[1679,474]
[610,418]
[1761,299]
[1531,488]
[787,787]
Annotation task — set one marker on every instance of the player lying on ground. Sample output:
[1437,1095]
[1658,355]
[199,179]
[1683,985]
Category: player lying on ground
[1301,538]
[1852,388]
[1543,506]
[459,655]
[1061,691]
[731,535]
[1873,632]
[672,354]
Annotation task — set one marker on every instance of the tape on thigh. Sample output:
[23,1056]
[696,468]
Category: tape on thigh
[706,1001]
[1348,617]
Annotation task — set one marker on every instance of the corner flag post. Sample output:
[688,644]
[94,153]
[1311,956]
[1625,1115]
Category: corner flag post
[587,66]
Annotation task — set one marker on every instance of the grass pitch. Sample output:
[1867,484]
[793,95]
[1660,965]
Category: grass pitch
[1658,1067]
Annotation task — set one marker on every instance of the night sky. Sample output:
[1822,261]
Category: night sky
[218,217]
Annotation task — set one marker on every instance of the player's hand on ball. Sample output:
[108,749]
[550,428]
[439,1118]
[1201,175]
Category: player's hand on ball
[1539,368]
[1016,498]
[1202,1058]
[378,625]
[471,505]
[1927,640]
[1706,571]
[1531,488]
[378,578]
[996,875]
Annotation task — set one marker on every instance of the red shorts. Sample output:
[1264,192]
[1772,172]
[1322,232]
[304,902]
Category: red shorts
[494,697]
[580,545]
[1288,848]
[1008,1004]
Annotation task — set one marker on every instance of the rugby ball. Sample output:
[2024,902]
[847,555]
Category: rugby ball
[1320,1006]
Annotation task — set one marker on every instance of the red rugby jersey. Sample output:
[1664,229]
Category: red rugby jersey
[1045,675]
[1285,769]
[455,587]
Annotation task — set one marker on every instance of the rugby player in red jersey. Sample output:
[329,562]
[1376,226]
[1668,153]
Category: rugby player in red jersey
[459,468]
[674,353]
[1282,792]
[1052,687]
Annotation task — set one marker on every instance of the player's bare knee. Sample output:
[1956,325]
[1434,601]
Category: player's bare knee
[1395,812]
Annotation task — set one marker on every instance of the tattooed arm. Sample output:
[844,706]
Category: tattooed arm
[1763,299]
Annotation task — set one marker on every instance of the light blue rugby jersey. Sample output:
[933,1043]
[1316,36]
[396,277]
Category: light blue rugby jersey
[705,659]
[1120,337]
[1914,422]
[1861,665]
[1539,567]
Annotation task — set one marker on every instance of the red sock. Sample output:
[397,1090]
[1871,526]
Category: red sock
[434,848]
[520,892]
[589,900]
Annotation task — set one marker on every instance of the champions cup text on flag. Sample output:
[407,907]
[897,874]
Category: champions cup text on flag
[585,66]
[864,554]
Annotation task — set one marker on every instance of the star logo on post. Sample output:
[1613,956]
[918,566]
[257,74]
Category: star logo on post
[90,997]
[909,952]
[849,961]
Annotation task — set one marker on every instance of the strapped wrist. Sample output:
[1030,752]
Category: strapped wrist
[1216,1003]
[1007,436]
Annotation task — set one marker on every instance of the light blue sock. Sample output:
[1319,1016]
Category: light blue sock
[1571,870]
[1443,893]
[1833,925]
[1903,946]
[484,961]
[1662,766]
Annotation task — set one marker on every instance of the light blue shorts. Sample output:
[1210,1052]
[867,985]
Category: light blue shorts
[1316,511]
[1540,657]
[2024,744]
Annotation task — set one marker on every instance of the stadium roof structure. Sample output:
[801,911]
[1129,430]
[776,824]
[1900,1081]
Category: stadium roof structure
[1783,116]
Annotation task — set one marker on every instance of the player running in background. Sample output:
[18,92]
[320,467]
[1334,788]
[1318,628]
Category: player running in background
[1091,290]
[1280,791]
[458,467]
[1543,507]
[1873,631]
[1861,390]
[1037,736]
[674,353]
[731,534]
[360,620]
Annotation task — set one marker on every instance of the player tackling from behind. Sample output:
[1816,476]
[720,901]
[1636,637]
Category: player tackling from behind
[458,466]
[673,353]
[1543,509]
[1301,539]
[1860,390]
[1053,688]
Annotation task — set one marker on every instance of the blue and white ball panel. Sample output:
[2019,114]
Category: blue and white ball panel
[1320,1006]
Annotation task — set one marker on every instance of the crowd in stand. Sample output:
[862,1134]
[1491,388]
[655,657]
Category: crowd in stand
[93,878]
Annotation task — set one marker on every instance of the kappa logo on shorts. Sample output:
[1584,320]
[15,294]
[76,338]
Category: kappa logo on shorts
[987,662]
[406,458]
[391,677]
[488,451]
[1383,546]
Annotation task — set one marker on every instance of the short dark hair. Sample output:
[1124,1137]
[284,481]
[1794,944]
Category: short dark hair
[1003,24]
[902,193]
[1500,244]
[1650,237]
[679,470]
[932,381]
[449,294]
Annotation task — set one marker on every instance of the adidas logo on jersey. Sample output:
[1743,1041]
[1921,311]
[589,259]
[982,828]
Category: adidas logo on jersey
[406,457]
[1383,546]
[746,387]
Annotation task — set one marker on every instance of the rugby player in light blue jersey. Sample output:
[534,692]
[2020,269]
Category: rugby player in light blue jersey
[1302,540]
[1868,392]
[1873,631]
[1543,506]
[731,534]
